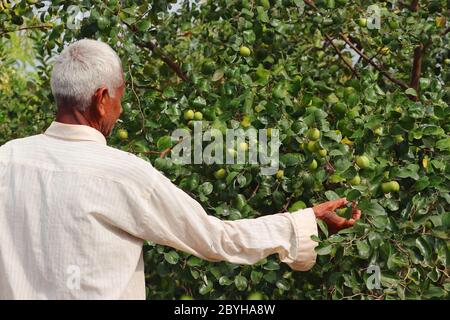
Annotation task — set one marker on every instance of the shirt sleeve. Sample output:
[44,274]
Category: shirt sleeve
[171,217]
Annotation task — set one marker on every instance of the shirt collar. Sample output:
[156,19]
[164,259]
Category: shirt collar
[75,132]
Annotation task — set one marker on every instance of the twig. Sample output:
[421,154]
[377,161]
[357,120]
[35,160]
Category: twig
[137,97]
[330,40]
[384,72]
[154,48]
[254,191]
[43,26]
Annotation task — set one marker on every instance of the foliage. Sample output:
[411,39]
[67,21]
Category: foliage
[391,107]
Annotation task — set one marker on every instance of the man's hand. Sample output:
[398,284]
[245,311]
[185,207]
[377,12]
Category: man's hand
[326,212]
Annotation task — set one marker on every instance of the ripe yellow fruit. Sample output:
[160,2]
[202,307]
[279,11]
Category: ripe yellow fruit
[244,51]
[440,22]
[280,174]
[189,114]
[243,146]
[385,51]
[220,174]
[378,131]
[245,122]
[122,134]
[232,152]
[198,115]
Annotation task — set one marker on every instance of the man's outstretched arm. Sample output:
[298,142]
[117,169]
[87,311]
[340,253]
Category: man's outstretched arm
[171,217]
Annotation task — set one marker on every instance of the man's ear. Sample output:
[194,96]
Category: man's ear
[101,101]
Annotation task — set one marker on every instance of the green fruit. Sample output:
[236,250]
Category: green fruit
[220,186]
[189,115]
[447,61]
[186,297]
[102,23]
[312,146]
[355,181]
[122,134]
[393,24]
[378,131]
[255,296]
[335,178]
[362,22]
[398,138]
[298,205]
[240,202]
[362,162]
[313,165]
[391,186]
[265,4]
[314,134]
[198,115]
[340,108]
[244,51]
[322,153]
[280,174]
[220,174]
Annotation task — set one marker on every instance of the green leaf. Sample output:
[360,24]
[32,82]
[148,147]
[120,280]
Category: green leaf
[271,265]
[321,251]
[143,25]
[282,284]
[411,92]
[240,282]
[194,261]
[371,208]
[171,257]
[363,249]
[225,281]
[443,144]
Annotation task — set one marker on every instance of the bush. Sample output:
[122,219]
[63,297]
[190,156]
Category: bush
[390,106]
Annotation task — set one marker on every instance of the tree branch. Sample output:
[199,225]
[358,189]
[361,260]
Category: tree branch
[164,57]
[330,40]
[417,67]
[414,6]
[384,72]
[42,26]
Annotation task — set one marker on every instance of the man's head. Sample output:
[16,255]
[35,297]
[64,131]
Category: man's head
[87,81]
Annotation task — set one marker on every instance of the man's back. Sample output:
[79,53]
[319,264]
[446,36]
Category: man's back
[59,202]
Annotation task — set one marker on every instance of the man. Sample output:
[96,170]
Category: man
[74,212]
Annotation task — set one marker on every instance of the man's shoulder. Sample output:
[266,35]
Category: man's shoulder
[126,166]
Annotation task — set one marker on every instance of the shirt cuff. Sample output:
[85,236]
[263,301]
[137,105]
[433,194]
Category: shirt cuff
[304,225]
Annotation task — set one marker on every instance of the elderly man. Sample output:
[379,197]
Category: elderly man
[74,212]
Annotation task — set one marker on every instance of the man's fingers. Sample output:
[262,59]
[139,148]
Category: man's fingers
[338,203]
[356,214]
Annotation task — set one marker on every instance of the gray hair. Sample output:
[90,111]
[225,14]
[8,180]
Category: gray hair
[82,68]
